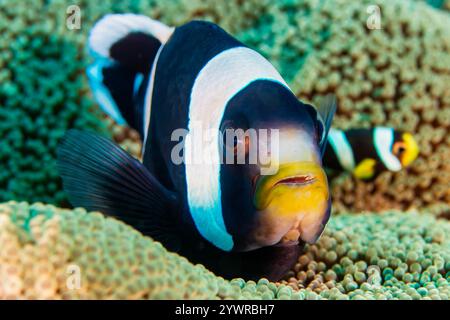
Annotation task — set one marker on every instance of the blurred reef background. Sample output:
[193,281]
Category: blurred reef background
[397,76]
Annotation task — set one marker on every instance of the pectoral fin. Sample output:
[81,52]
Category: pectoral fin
[99,176]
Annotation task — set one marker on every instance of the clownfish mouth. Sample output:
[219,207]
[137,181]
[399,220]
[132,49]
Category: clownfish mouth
[293,205]
[293,181]
[296,181]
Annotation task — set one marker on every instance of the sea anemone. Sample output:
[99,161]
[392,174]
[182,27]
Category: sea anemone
[43,93]
[52,253]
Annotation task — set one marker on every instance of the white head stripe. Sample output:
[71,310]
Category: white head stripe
[113,27]
[383,140]
[220,79]
[342,149]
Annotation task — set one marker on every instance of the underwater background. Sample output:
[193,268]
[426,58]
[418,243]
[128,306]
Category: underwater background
[387,239]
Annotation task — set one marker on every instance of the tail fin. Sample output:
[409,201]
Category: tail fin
[124,47]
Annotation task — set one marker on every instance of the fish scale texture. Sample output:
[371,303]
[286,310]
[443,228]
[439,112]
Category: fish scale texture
[52,253]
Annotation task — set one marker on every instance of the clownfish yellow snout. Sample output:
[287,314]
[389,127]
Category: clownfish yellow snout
[411,150]
[292,205]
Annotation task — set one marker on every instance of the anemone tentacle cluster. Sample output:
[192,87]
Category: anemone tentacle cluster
[389,255]
[43,93]
[52,253]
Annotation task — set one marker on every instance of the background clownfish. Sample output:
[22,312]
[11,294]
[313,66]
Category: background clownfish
[232,218]
[367,152]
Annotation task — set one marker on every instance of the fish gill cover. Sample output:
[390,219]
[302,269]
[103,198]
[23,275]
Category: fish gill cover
[398,76]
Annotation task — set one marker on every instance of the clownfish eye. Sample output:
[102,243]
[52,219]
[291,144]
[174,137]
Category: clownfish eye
[241,143]
[399,148]
[235,140]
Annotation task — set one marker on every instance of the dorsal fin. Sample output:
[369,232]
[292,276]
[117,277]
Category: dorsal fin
[124,47]
[129,39]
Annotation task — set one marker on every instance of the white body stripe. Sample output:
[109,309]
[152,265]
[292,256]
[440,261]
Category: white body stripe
[148,99]
[220,79]
[342,149]
[383,140]
[113,27]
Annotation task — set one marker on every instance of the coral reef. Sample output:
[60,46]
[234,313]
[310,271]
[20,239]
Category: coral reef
[51,253]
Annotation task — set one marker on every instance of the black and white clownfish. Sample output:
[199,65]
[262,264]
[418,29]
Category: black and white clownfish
[367,152]
[232,218]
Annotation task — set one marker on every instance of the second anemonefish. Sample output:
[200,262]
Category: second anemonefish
[367,152]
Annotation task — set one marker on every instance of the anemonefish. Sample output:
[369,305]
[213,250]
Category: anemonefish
[232,218]
[367,152]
